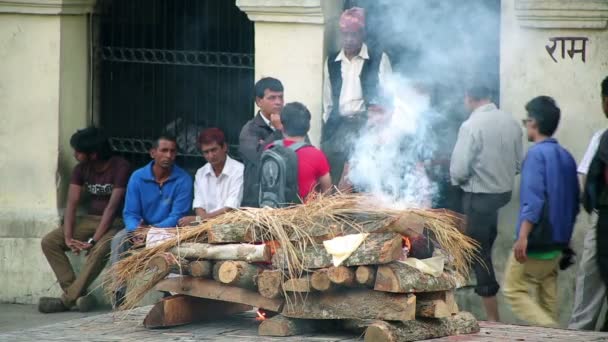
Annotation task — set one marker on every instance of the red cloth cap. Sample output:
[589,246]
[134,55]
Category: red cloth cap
[352,20]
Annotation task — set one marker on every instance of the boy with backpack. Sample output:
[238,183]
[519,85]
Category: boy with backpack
[291,168]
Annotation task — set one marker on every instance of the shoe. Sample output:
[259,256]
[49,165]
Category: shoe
[51,305]
[86,303]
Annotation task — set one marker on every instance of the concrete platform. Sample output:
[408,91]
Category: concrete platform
[100,326]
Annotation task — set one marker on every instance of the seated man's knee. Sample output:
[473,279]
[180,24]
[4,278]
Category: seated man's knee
[47,243]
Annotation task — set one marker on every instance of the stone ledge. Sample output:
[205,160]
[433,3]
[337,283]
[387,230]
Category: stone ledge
[562,14]
[47,7]
[284,11]
[26,223]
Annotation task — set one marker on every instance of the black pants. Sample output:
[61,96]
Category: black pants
[338,143]
[602,243]
[481,211]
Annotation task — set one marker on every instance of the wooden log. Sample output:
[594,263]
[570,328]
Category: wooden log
[206,288]
[352,304]
[375,250]
[342,276]
[239,274]
[165,263]
[201,268]
[318,231]
[270,283]
[244,252]
[301,284]
[281,326]
[215,273]
[436,304]
[401,278]
[180,309]
[366,276]
[422,329]
[320,280]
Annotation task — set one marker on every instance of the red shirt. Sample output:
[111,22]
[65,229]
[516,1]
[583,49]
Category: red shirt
[312,165]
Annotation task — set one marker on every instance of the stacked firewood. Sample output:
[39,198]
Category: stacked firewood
[302,291]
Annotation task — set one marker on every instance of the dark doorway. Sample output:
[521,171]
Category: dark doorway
[173,66]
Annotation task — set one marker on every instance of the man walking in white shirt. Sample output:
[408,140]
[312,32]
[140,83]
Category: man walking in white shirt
[218,186]
[353,79]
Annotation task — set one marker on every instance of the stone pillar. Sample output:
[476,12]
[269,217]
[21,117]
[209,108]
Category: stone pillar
[529,68]
[291,37]
[43,96]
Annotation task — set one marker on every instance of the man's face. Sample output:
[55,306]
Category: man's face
[352,42]
[164,154]
[531,128]
[271,103]
[469,104]
[81,156]
[214,153]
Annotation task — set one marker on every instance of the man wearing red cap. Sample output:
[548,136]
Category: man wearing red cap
[353,79]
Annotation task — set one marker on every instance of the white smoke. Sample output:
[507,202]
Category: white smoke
[388,158]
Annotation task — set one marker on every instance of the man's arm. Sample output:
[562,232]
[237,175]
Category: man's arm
[251,146]
[132,213]
[327,99]
[462,157]
[109,213]
[181,204]
[532,193]
[69,217]
[325,183]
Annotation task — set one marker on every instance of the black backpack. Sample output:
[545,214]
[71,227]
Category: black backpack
[279,175]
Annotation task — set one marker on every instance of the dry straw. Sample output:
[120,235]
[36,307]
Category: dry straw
[293,229]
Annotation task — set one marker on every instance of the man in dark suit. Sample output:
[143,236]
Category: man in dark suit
[258,132]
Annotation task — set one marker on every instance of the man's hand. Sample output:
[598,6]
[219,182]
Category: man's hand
[76,246]
[138,238]
[519,250]
[186,220]
[275,121]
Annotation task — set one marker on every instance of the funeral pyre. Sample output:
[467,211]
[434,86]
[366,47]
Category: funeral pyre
[340,260]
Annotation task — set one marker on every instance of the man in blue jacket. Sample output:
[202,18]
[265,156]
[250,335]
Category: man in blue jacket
[549,204]
[158,195]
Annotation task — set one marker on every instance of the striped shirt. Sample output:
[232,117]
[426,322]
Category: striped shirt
[488,153]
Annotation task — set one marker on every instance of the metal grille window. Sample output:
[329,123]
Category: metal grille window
[174,66]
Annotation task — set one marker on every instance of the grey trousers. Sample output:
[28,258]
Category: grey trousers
[590,292]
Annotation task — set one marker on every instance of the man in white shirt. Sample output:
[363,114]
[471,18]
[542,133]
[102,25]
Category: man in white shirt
[218,186]
[590,294]
[353,78]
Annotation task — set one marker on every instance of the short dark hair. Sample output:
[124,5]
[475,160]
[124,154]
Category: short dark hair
[267,83]
[92,140]
[211,135]
[295,118]
[545,112]
[479,92]
[605,87]
[164,136]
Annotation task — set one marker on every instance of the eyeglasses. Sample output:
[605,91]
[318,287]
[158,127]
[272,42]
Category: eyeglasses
[525,122]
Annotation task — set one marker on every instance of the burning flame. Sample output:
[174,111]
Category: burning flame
[273,245]
[261,315]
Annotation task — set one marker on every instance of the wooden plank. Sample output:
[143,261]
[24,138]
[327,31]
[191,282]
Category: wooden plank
[401,278]
[210,289]
[180,309]
[351,304]
[436,304]
[244,252]
[375,250]
[281,326]
[421,329]
[270,283]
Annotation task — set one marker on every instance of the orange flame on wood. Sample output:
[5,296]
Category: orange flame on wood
[261,315]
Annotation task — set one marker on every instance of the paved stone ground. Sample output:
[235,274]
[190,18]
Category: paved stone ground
[128,327]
